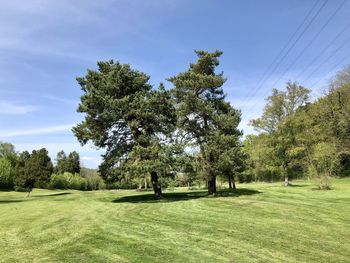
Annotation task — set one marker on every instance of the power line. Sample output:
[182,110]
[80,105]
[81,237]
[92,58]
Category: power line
[324,50]
[293,45]
[333,68]
[284,48]
[310,43]
[326,60]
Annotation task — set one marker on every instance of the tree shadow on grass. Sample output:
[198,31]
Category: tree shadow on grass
[183,196]
[48,195]
[298,185]
[11,201]
[31,198]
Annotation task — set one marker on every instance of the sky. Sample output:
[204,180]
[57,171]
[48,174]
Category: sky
[46,44]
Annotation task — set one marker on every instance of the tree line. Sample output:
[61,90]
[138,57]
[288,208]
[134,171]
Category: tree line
[24,171]
[299,138]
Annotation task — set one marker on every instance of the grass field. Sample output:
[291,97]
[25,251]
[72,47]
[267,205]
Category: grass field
[256,223]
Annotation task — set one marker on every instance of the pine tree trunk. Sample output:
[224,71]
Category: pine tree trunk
[212,183]
[233,183]
[230,182]
[156,186]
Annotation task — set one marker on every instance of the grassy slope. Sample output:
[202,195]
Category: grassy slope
[261,223]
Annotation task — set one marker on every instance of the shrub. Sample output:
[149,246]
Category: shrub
[77,182]
[341,165]
[324,182]
[59,181]
[68,181]
[95,182]
[122,185]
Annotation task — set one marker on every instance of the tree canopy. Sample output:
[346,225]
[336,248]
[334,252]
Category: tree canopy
[125,116]
[203,114]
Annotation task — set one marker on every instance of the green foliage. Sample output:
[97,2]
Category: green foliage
[95,182]
[75,181]
[6,149]
[24,179]
[124,115]
[341,164]
[276,152]
[304,138]
[6,174]
[8,165]
[323,158]
[204,116]
[60,181]
[70,163]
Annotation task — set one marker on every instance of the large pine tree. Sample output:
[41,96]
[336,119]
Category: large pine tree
[125,116]
[204,115]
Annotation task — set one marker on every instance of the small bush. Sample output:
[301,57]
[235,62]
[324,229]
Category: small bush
[68,181]
[95,182]
[77,182]
[59,181]
[324,182]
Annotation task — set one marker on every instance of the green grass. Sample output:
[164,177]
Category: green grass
[257,223]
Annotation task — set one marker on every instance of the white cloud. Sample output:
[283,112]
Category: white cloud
[11,108]
[43,130]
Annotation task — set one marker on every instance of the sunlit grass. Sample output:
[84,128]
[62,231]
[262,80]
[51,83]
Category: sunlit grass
[259,222]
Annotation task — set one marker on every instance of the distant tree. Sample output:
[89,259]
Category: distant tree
[127,117]
[34,169]
[24,179]
[8,164]
[280,109]
[74,162]
[204,115]
[323,156]
[70,163]
[280,105]
[39,164]
[232,162]
[6,174]
[7,151]
[61,162]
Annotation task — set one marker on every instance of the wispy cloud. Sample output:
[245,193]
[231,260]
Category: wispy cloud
[43,130]
[12,108]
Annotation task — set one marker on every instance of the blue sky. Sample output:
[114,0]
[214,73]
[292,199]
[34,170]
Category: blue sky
[46,44]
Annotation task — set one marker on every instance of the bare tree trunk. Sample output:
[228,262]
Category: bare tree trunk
[145,182]
[156,186]
[286,179]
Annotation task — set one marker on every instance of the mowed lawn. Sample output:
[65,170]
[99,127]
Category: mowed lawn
[259,222]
